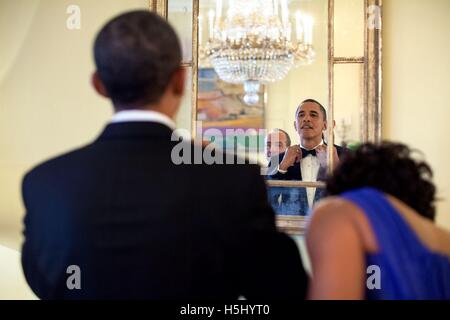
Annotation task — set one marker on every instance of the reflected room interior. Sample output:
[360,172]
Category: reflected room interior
[220,102]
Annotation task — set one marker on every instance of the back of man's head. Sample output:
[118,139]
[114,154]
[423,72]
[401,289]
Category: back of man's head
[136,55]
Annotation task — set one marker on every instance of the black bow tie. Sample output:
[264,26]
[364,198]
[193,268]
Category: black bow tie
[305,153]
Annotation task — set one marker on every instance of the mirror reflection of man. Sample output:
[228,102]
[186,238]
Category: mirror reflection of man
[308,160]
[276,142]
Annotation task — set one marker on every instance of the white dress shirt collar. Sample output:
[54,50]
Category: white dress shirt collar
[143,116]
[321,143]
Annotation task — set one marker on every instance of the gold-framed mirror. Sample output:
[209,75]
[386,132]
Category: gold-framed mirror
[345,77]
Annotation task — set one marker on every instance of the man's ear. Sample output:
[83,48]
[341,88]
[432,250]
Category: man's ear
[325,125]
[178,81]
[295,126]
[98,85]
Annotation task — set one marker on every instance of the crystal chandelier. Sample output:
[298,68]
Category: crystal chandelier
[252,44]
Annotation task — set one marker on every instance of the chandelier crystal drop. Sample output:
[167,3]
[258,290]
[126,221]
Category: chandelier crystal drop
[252,43]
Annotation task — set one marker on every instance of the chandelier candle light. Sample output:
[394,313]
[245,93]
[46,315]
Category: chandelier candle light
[252,44]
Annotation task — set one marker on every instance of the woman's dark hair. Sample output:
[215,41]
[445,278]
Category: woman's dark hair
[390,168]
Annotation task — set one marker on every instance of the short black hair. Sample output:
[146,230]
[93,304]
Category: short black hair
[136,54]
[322,108]
[390,168]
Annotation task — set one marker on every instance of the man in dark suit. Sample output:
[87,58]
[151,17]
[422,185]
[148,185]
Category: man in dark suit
[119,219]
[304,162]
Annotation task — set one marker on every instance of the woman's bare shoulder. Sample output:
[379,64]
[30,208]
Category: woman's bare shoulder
[335,210]
[335,206]
[341,216]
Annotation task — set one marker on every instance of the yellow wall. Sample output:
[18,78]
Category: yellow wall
[417,84]
[47,105]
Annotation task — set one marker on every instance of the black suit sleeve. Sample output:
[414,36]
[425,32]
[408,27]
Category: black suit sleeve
[31,256]
[269,264]
[42,259]
[276,175]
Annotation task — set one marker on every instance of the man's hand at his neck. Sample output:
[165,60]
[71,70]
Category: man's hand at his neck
[293,155]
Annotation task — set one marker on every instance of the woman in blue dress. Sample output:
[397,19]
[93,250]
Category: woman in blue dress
[374,237]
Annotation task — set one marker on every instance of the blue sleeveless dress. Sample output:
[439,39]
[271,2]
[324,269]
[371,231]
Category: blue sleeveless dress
[408,269]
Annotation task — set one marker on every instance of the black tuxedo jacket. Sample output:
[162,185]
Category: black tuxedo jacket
[294,172]
[139,226]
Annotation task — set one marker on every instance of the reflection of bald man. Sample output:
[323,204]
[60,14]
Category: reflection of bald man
[276,142]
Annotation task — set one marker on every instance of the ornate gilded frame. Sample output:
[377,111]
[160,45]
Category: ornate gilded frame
[371,111]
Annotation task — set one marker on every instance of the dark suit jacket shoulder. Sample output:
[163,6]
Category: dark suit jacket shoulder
[140,226]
